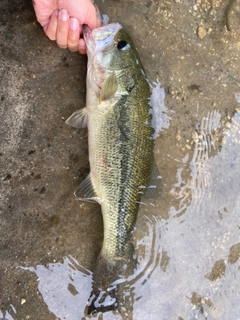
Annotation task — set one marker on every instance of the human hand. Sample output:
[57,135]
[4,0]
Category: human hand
[62,21]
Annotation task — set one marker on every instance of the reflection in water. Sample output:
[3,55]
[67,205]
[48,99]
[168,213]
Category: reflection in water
[65,286]
[237,96]
[61,284]
[5,316]
[198,243]
[188,265]
[206,140]
[161,119]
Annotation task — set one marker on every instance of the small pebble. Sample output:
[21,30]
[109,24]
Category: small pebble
[23,301]
[228,124]
[201,32]
[195,135]
[178,137]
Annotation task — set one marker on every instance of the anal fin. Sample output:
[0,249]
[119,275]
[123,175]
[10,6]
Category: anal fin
[86,192]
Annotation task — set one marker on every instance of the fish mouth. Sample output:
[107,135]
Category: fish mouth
[100,39]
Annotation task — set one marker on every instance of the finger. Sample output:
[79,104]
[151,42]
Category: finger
[99,16]
[51,28]
[93,18]
[43,10]
[73,34]
[82,46]
[62,28]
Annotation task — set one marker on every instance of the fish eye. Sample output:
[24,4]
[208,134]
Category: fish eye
[123,45]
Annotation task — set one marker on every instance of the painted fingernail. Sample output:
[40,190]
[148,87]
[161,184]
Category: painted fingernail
[74,24]
[63,15]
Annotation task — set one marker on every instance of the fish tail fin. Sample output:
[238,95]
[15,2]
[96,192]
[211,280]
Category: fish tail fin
[103,297]
[110,279]
[102,300]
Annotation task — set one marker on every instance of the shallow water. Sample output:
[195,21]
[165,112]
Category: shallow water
[186,239]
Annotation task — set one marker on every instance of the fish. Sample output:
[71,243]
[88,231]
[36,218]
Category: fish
[118,116]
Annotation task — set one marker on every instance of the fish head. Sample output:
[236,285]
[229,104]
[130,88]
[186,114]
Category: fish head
[100,39]
[109,50]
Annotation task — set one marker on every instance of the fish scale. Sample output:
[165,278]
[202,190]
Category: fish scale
[119,184]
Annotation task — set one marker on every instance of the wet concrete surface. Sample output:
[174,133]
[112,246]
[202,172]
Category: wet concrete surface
[188,47]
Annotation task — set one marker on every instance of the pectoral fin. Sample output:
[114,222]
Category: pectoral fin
[78,119]
[109,87]
[86,192]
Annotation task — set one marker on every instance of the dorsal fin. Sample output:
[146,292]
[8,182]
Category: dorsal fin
[109,87]
[86,192]
[78,119]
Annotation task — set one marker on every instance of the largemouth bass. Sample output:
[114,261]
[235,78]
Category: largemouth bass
[120,137]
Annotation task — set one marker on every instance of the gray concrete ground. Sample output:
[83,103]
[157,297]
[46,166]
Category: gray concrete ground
[186,44]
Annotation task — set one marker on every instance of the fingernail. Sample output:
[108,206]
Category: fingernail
[56,12]
[82,46]
[74,24]
[63,15]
